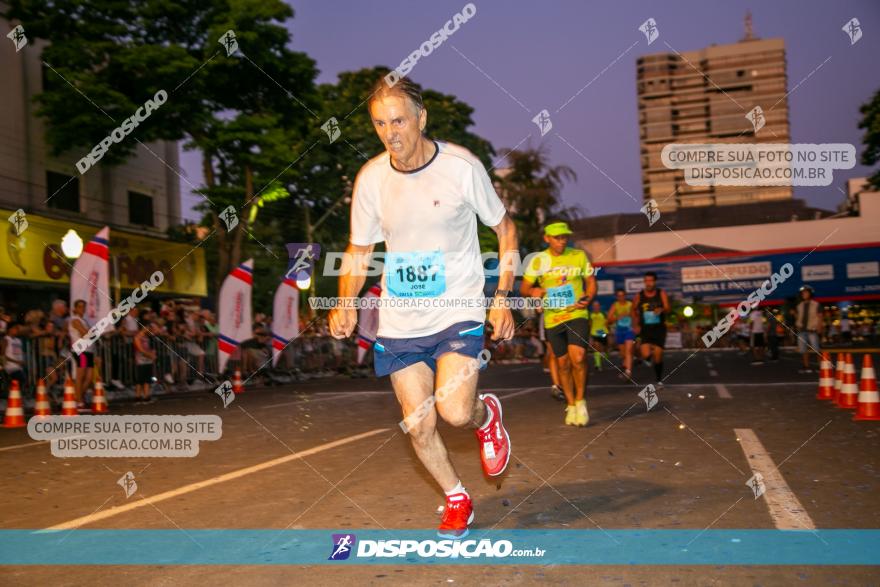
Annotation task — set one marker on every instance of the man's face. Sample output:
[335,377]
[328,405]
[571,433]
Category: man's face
[650,282]
[79,309]
[557,243]
[597,307]
[399,124]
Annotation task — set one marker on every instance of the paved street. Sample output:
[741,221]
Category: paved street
[683,465]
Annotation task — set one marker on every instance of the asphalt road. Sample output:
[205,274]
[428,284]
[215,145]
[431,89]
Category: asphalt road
[682,465]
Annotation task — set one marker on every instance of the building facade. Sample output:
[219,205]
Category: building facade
[139,199]
[709,96]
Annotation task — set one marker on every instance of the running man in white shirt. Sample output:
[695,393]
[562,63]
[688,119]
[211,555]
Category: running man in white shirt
[423,198]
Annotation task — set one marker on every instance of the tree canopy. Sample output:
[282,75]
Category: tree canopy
[255,116]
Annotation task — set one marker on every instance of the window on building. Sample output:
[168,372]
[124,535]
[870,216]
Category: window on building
[62,191]
[140,209]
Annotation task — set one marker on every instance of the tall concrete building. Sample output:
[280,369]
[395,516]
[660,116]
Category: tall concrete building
[706,96]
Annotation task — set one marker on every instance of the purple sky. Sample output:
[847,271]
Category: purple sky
[541,54]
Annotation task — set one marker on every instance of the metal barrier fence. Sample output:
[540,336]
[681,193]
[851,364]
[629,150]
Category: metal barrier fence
[49,357]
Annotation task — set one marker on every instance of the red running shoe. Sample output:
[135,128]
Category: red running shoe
[457,515]
[493,438]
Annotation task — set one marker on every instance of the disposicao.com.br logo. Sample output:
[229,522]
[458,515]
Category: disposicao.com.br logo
[344,545]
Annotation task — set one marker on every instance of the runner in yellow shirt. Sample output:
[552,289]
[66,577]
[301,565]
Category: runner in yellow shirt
[620,317]
[598,334]
[563,278]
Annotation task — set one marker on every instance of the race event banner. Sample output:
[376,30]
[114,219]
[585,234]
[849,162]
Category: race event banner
[850,272]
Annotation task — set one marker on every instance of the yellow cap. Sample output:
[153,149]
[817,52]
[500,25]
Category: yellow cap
[557,229]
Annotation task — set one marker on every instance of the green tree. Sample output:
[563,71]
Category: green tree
[871,123]
[531,188]
[248,113]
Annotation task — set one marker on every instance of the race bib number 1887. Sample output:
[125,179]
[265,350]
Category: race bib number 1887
[415,275]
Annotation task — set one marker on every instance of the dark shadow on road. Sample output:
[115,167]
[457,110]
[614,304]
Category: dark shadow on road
[546,509]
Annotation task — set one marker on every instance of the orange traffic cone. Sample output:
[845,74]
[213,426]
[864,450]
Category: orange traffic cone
[869,398]
[68,404]
[14,412]
[99,400]
[42,407]
[237,387]
[826,378]
[838,376]
[849,392]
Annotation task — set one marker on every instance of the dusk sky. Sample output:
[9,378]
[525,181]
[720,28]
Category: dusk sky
[541,54]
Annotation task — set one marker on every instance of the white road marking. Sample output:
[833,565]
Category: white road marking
[785,509]
[14,446]
[524,391]
[713,373]
[722,391]
[326,397]
[115,511]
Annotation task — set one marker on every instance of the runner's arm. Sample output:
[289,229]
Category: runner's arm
[508,252]
[352,276]
[589,289]
[529,288]
[634,313]
[665,299]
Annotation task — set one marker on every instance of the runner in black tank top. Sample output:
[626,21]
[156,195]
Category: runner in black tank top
[650,308]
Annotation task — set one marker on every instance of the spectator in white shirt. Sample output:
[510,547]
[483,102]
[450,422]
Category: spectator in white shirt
[756,327]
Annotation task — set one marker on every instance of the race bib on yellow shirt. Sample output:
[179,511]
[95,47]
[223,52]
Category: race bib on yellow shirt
[560,297]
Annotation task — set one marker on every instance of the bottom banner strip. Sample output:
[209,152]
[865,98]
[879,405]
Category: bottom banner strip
[397,547]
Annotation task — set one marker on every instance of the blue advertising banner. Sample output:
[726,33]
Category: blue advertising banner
[849,272]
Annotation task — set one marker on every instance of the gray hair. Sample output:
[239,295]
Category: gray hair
[404,87]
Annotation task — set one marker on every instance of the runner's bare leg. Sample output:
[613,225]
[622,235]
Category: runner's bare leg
[563,365]
[413,386]
[458,403]
[577,356]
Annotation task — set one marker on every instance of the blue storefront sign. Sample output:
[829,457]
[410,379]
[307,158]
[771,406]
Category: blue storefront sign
[850,272]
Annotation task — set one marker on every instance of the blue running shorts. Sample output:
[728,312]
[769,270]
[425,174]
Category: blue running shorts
[394,354]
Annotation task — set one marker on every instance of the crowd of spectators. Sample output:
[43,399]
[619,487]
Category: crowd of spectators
[184,347]
[176,338]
